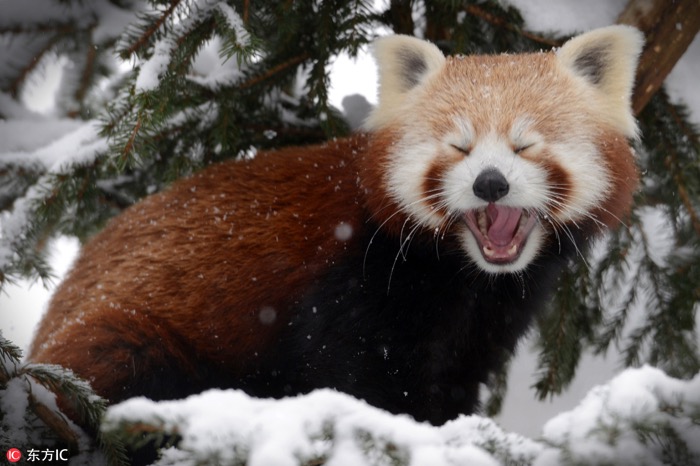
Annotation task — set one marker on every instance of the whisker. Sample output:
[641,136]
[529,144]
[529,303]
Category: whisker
[402,210]
[401,241]
[401,253]
[558,226]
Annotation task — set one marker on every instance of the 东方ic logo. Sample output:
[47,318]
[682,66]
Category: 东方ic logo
[13,455]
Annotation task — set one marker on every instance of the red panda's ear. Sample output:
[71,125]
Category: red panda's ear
[606,58]
[404,62]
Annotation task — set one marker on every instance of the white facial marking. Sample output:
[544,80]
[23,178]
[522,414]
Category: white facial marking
[523,135]
[589,177]
[411,161]
[463,135]
[529,184]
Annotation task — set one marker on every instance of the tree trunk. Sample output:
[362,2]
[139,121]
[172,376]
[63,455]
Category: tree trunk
[669,28]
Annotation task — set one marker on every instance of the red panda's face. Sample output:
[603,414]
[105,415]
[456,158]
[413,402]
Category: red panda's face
[507,152]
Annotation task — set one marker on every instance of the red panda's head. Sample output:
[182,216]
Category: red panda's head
[509,152]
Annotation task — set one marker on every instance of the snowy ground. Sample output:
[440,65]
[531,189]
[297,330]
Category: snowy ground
[23,304]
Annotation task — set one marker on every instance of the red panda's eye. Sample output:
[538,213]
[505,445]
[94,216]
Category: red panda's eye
[464,150]
[519,149]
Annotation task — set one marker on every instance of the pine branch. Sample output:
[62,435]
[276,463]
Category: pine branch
[65,385]
[246,11]
[128,147]
[400,17]
[56,422]
[11,355]
[39,29]
[22,74]
[274,71]
[611,330]
[673,164]
[51,34]
[498,387]
[86,76]
[146,37]
[502,23]
[565,328]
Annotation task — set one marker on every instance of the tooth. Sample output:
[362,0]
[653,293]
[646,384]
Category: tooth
[513,249]
[524,218]
[488,251]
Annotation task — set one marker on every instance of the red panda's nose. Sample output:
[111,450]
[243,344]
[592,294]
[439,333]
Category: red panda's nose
[490,185]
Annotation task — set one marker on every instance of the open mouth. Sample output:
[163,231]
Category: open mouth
[500,231]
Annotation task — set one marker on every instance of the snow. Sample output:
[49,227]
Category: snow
[346,431]
[81,145]
[344,83]
[236,23]
[113,20]
[153,69]
[633,398]
[210,70]
[18,137]
[343,232]
[213,71]
[655,222]
[568,16]
[13,405]
[323,424]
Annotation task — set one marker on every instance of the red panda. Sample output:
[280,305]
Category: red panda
[400,265]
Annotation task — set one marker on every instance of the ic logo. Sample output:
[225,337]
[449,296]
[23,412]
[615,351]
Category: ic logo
[13,455]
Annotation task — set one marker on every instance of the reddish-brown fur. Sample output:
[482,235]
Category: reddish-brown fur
[174,285]
[620,161]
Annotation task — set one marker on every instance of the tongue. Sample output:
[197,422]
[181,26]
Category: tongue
[504,223]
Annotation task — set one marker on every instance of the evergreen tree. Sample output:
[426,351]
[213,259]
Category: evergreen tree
[210,80]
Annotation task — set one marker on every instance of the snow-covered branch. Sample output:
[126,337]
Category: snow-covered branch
[642,417]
